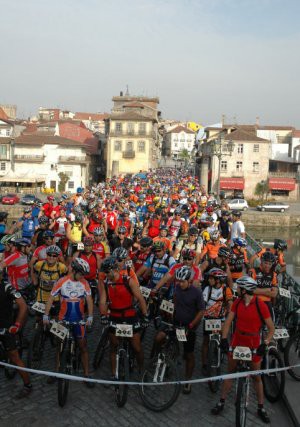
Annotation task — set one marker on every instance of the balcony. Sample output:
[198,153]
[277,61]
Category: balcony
[284,174]
[74,160]
[128,154]
[132,134]
[36,158]
[4,157]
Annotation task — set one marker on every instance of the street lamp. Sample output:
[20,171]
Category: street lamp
[220,150]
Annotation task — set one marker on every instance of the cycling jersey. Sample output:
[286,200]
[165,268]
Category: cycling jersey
[101,249]
[237,262]
[91,259]
[174,226]
[17,270]
[138,259]
[60,226]
[76,232]
[159,267]
[154,225]
[111,220]
[47,209]
[48,275]
[264,280]
[211,250]
[216,300]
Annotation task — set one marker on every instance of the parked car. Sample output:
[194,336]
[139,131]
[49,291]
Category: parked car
[10,199]
[30,199]
[238,204]
[273,206]
[238,194]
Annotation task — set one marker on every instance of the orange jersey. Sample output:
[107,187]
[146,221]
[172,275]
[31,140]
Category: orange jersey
[211,250]
[264,280]
[165,240]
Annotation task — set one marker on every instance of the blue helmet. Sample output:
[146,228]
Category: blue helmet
[239,241]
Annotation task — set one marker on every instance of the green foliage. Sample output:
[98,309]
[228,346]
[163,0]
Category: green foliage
[64,178]
[261,190]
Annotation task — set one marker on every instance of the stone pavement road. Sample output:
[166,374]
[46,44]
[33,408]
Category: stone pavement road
[96,407]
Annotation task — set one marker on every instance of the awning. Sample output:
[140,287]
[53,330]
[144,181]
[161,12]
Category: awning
[232,183]
[287,184]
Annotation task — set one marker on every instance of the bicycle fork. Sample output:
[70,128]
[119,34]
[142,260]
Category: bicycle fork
[160,369]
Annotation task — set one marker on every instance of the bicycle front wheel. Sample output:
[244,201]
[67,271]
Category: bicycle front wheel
[63,383]
[241,402]
[274,382]
[121,390]
[36,349]
[159,398]
[213,364]
[292,356]
[101,348]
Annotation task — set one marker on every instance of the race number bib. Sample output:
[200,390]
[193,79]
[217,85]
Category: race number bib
[180,334]
[39,307]
[284,293]
[145,291]
[167,306]
[213,325]
[242,353]
[59,330]
[280,334]
[124,331]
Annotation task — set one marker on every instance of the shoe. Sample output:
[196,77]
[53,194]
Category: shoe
[217,409]
[87,383]
[24,392]
[51,380]
[187,388]
[204,370]
[263,415]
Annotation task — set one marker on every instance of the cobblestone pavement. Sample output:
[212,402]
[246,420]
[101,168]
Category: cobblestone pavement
[96,407]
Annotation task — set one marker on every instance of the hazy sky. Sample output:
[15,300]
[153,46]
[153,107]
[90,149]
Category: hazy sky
[202,58]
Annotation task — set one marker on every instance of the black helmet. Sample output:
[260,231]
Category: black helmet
[43,219]
[237,213]
[3,216]
[146,242]
[224,252]
[48,233]
[268,257]
[278,244]
[79,265]
[193,231]
[120,253]
[109,264]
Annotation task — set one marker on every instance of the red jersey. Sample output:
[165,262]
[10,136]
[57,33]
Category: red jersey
[111,220]
[92,262]
[48,208]
[17,270]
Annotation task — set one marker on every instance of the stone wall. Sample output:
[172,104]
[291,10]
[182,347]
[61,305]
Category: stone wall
[263,219]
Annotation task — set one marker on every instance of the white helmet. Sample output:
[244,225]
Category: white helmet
[247,283]
[183,273]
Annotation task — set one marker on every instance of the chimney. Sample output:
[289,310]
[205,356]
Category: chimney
[121,93]
[223,120]
[257,120]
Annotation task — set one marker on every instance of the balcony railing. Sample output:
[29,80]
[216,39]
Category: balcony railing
[4,157]
[72,159]
[29,157]
[284,174]
[128,154]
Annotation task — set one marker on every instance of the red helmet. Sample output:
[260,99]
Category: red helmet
[209,209]
[51,198]
[188,254]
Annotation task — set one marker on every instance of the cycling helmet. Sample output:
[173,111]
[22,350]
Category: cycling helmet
[92,206]
[280,244]
[163,227]
[193,231]
[120,253]
[247,283]
[79,265]
[98,231]
[268,257]
[177,211]
[188,254]
[97,217]
[64,196]
[224,252]
[7,239]
[125,211]
[209,209]
[217,273]
[239,241]
[78,217]
[79,190]
[236,213]
[50,198]
[132,205]
[27,210]
[53,250]
[43,219]
[21,242]
[210,219]
[183,273]
[3,216]
[225,213]
[84,203]
[88,241]
[158,246]
[214,235]
[142,197]
[122,229]
[48,233]
[146,242]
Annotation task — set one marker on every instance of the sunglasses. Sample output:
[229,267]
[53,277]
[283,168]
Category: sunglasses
[121,232]
[187,258]
[52,256]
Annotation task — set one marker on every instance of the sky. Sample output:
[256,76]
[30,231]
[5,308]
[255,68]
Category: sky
[202,58]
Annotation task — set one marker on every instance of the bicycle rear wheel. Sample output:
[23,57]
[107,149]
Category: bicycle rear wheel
[121,390]
[241,402]
[292,356]
[36,349]
[101,348]
[159,398]
[63,383]
[213,365]
[274,382]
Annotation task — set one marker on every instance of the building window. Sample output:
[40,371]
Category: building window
[129,146]
[256,148]
[141,146]
[239,166]
[70,185]
[255,167]
[130,128]
[3,166]
[7,132]
[118,127]
[118,146]
[175,144]
[284,193]
[224,166]
[3,150]
[240,148]
[142,128]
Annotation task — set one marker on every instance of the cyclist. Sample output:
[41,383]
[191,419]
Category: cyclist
[74,233]
[212,247]
[8,297]
[124,221]
[141,255]
[40,252]
[192,242]
[100,246]
[247,334]
[152,227]
[238,261]
[174,224]
[47,208]
[37,239]
[237,226]
[120,240]
[162,237]
[218,299]
[17,264]
[278,250]
[73,290]
[59,226]
[225,225]
[117,293]
[221,262]
[27,223]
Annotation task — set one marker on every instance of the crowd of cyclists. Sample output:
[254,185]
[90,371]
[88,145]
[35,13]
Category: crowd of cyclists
[96,250]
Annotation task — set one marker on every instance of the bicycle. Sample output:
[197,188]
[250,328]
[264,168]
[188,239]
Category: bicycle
[274,382]
[292,355]
[124,359]
[162,368]
[102,347]
[214,352]
[69,355]
[10,373]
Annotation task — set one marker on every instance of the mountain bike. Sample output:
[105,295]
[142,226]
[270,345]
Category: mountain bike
[214,352]
[102,347]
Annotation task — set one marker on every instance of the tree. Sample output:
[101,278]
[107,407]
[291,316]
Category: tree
[261,190]
[184,155]
[64,178]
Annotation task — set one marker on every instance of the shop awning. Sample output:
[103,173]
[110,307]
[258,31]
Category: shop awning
[287,184]
[232,183]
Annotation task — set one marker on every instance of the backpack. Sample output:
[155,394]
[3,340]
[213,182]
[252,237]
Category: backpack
[166,261]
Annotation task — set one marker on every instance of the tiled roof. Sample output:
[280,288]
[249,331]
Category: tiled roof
[40,139]
[74,132]
[276,127]
[242,135]
[179,129]
[3,115]
[131,115]
[4,140]
[296,133]
[91,116]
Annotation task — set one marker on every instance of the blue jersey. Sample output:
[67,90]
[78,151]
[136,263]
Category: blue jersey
[159,266]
